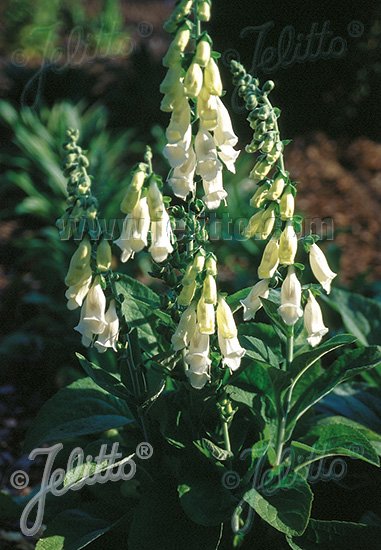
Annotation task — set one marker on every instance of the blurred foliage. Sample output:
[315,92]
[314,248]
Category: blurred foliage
[36,30]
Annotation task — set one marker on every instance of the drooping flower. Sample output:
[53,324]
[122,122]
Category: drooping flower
[208,165]
[182,177]
[320,268]
[135,229]
[109,337]
[214,192]
[75,294]
[92,320]
[290,298]
[252,303]
[161,234]
[198,360]
[288,245]
[287,205]
[185,329]
[270,260]
[193,80]
[79,268]
[313,321]
[205,317]
[212,78]
[104,255]
[225,320]
[231,350]
[179,134]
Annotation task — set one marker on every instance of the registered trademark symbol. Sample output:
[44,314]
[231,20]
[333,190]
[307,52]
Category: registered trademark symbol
[355,29]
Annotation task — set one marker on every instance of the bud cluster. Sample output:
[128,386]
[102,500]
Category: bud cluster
[146,213]
[192,89]
[198,322]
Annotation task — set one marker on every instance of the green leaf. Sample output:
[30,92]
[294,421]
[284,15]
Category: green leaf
[82,408]
[240,396]
[337,535]
[256,349]
[320,382]
[332,440]
[214,450]
[105,380]
[234,300]
[159,523]
[307,359]
[361,316]
[286,506]
[73,530]
[271,309]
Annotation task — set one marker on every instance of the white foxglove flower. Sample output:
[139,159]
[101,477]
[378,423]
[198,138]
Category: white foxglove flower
[198,360]
[109,337]
[77,293]
[182,177]
[205,317]
[288,245]
[225,138]
[207,110]
[225,320]
[185,329]
[208,165]
[313,321]
[135,231]
[231,350]
[252,303]
[320,268]
[290,298]
[197,379]
[270,260]
[214,192]
[179,134]
[92,319]
[161,234]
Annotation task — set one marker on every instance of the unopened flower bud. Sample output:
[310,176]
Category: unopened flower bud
[182,38]
[203,52]
[79,268]
[203,11]
[171,78]
[254,225]
[193,80]
[260,170]
[267,222]
[288,245]
[205,317]
[199,262]
[104,255]
[270,260]
[133,192]
[187,293]
[211,266]
[155,202]
[173,56]
[209,291]
[276,188]
[225,320]
[212,77]
[259,196]
[287,205]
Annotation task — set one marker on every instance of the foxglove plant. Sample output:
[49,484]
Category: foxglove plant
[212,395]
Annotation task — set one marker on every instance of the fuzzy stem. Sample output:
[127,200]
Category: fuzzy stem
[281,432]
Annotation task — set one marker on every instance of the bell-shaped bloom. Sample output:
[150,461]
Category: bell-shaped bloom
[185,329]
[225,320]
[205,317]
[179,134]
[288,245]
[109,337]
[79,269]
[207,110]
[77,293]
[320,268]
[287,205]
[161,234]
[104,255]
[231,350]
[212,78]
[135,229]
[313,321]
[224,133]
[92,320]
[182,177]
[290,299]
[214,192]
[198,360]
[208,165]
[270,260]
[193,81]
[252,303]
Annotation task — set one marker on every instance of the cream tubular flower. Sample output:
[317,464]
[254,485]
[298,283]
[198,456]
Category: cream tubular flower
[92,319]
[198,360]
[270,260]
[214,192]
[208,165]
[193,81]
[205,317]
[288,245]
[179,134]
[313,321]
[77,293]
[135,231]
[252,303]
[109,337]
[161,234]
[185,329]
[225,320]
[320,268]
[225,137]
[212,78]
[231,350]
[290,298]
[182,178]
